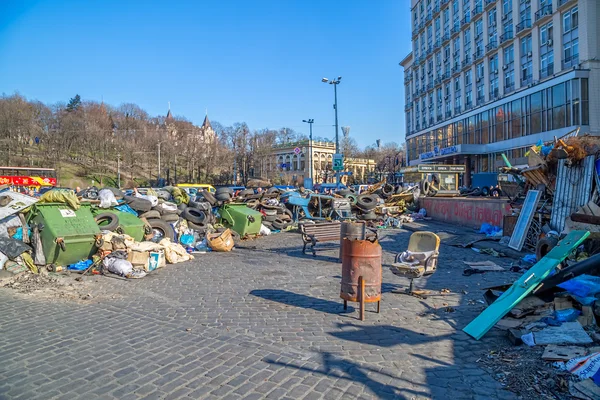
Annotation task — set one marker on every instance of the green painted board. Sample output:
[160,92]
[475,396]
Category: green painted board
[525,285]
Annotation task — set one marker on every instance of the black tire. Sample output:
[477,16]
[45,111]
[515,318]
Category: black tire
[272,190]
[182,207]
[201,227]
[370,216]
[194,204]
[352,198]
[496,192]
[223,196]
[425,187]
[208,196]
[194,215]
[344,192]
[150,214]
[270,218]
[366,201]
[399,189]
[117,192]
[544,245]
[246,192]
[170,217]
[107,216]
[387,190]
[224,190]
[289,213]
[485,191]
[267,224]
[279,224]
[161,229]
[236,236]
[138,204]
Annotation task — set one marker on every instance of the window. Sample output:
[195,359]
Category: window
[493,32]
[571,37]
[545,33]
[506,7]
[479,69]
[468,89]
[494,64]
[526,61]
[509,54]
[438,32]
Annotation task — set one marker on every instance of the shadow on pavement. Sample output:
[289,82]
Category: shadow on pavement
[353,372]
[382,335]
[302,301]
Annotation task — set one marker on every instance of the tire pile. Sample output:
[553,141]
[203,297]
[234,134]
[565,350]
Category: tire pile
[275,215]
[364,204]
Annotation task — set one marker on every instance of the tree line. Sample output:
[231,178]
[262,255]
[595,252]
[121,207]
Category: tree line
[96,140]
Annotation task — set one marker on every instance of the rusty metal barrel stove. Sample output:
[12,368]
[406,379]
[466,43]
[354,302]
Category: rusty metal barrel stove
[352,230]
[361,273]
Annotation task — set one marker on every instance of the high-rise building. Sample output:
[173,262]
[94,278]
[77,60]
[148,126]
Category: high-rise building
[487,77]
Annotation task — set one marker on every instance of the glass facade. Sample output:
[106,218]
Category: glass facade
[559,106]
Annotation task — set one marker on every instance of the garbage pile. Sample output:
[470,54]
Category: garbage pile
[556,194]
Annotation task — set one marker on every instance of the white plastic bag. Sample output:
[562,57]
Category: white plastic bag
[151,199]
[118,266]
[264,230]
[107,198]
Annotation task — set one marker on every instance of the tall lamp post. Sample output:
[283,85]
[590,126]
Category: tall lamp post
[335,82]
[310,122]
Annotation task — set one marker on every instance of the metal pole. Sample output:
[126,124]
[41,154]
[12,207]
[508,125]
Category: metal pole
[310,152]
[234,164]
[337,139]
[158,175]
[119,171]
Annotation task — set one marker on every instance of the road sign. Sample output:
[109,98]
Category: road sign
[283,165]
[297,150]
[338,162]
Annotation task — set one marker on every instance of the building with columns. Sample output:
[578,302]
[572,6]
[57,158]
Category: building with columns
[291,163]
[487,77]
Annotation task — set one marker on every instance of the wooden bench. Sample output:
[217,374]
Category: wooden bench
[319,232]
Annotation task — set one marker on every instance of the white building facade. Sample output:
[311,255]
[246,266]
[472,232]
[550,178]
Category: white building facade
[487,77]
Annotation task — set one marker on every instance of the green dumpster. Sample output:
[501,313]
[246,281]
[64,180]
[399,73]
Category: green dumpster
[129,224]
[68,235]
[241,219]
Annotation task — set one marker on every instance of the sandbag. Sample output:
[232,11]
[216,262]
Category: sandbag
[221,241]
[61,196]
[174,252]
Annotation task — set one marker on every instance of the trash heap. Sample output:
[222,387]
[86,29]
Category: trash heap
[556,194]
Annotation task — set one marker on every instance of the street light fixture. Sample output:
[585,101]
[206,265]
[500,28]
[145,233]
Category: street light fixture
[310,122]
[335,82]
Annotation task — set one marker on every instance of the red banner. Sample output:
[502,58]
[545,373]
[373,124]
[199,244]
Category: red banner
[27,181]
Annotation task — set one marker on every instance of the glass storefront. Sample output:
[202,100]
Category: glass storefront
[559,106]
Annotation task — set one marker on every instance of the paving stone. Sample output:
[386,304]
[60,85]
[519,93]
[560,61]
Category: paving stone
[267,324]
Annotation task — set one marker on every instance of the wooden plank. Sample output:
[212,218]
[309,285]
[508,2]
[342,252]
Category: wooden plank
[524,285]
[524,222]
[567,333]
[563,353]
[586,219]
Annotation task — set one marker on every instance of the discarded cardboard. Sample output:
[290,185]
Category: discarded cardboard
[508,323]
[484,265]
[567,333]
[524,285]
[585,389]
[587,317]
[563,353]
[562,303]
[527,306]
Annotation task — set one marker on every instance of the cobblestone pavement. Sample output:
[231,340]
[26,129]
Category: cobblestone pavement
[263,321]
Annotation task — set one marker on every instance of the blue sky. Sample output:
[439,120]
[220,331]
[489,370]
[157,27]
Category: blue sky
[256,61]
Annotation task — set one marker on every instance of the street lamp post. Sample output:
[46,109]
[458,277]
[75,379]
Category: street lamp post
[335,82]
[158,175]
[310,151]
